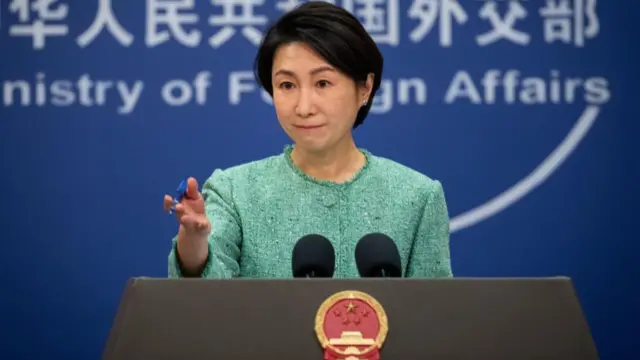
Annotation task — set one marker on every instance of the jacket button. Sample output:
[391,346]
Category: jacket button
[329,200]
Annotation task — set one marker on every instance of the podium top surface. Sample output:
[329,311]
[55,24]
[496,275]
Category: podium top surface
[454,318]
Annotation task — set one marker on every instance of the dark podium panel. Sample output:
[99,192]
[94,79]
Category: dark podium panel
[274,319]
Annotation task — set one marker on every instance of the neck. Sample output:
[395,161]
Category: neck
[338,164]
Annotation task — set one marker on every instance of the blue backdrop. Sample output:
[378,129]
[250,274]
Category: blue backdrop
[524,110]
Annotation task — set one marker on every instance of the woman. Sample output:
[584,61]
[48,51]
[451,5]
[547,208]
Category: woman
[322,70]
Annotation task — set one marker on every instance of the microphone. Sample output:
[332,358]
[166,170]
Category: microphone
[377,256]
[313,257]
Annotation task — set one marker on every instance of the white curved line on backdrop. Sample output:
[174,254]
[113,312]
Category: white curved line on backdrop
[534,179]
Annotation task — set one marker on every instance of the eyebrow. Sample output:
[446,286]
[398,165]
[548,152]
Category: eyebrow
[312,72]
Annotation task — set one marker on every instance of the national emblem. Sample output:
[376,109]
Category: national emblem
[351,325]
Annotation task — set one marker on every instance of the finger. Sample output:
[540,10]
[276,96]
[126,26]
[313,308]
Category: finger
[191,223]
[187,222]
[179,210]
[195,223]
[202,224]
[168,202]
[192,189]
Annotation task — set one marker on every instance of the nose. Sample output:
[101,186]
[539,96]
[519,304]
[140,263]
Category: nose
[305,106]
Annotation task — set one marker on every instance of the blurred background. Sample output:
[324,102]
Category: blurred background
[524,110]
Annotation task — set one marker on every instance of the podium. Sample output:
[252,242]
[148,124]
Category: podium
[243,319]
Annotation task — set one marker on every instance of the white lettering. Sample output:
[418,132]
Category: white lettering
[597,90]
[503,27]
[383,101]
[430,12]
[380,18]
[129,95]
[178,92]
[510,87]
[247,21]
[85,92]
[387,96]
[462,86]
[201,84]
[105,19]
[404,91]
[41,90]
[566,23]
[240,82]
[8,91]
[48,14]
[489,82]
[62,93]
[169,13]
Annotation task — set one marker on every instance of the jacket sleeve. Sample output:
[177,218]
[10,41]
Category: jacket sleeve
[225,239]
[430,254]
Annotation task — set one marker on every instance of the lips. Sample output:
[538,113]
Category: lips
[308,127]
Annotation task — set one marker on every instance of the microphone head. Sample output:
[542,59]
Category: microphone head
[377,256]
[313,256]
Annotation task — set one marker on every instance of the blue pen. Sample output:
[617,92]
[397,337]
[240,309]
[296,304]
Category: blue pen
[181,192]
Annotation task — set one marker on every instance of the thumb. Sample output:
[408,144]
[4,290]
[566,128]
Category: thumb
[192,189]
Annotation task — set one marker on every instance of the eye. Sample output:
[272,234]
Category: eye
[286,85]
[323,83]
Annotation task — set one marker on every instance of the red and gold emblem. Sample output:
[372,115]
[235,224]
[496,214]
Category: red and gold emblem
[351,325]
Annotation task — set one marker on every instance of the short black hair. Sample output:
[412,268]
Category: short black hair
[334,34]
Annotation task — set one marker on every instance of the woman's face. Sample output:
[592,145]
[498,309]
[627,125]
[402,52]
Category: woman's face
[315,103]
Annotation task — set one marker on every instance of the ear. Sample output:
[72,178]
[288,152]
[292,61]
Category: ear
[365,89]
